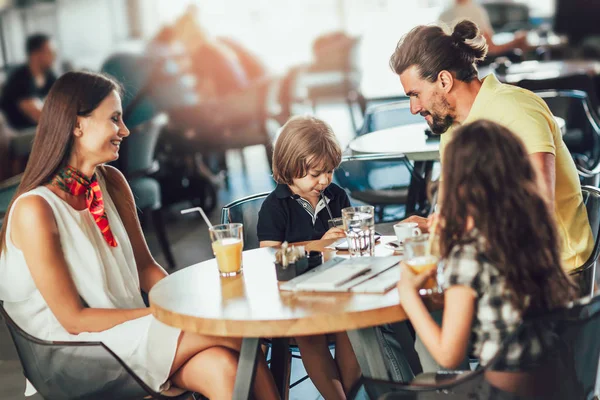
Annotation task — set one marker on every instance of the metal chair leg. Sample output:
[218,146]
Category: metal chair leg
[161,234]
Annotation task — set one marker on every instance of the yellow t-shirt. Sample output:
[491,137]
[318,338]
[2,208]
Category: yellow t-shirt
[528,117]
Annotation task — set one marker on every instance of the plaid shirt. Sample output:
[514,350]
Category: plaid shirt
[495,316]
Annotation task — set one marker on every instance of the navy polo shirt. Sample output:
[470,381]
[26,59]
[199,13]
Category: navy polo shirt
[285,216]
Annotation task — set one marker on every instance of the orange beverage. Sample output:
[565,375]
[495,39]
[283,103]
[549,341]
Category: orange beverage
[423,264]
[227,245]
[228,253]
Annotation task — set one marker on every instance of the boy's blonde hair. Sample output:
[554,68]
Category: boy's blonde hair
[305,142]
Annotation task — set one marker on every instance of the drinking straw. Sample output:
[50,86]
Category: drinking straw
[201,211]
[326,205]
[432,234]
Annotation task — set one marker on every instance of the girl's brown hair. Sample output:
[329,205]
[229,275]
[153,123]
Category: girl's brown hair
[487,176]
[304,143]
[73,94]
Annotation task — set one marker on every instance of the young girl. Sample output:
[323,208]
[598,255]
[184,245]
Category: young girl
[305,155]
[500,247]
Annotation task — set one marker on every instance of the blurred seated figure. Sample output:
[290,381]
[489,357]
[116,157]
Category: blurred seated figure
[468,9]
[27,86]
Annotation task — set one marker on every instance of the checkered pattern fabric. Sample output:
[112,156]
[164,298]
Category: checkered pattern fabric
[495,316]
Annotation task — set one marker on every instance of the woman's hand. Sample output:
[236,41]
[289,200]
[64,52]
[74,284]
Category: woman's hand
[334,233]
[409,281]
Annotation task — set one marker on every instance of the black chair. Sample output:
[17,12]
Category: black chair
[388,115]
[565,367]
[379,180]
[78,370]
[583,82]
[245,211]
[583,128]
[585,275]
[138,164]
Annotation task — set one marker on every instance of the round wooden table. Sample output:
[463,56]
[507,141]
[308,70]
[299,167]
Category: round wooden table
[250,305]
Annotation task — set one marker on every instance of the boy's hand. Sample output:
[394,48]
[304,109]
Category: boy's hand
[334,233]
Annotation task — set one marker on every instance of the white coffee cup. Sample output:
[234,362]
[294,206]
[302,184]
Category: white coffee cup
[405,230]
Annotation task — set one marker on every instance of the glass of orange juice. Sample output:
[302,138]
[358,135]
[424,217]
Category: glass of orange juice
[418,255]
[227,245]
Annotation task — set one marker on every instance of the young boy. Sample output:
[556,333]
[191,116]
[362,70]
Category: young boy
[305,155]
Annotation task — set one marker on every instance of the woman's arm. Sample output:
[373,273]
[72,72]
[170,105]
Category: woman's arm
[448,344]
[148,269]
[46,262]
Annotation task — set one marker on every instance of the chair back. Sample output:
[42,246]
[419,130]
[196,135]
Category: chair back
[388,115]
[585,275]
[8,188]
[582,124]
[565,355]
[245,211]
[73,370]
[583,82]
[137,150]
[567,360]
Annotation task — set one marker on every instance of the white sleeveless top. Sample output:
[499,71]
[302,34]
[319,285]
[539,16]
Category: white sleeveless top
[105,277]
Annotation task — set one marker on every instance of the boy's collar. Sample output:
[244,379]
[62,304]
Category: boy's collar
[283,191]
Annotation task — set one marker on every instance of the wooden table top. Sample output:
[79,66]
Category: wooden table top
[197,299]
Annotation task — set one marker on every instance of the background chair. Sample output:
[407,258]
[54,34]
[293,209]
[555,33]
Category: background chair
[8,189]
[583,128]
[388,115]
[566,367]
[378,180]
[583,82]
[585,275]
[78,370]
[245,211]
[138,164]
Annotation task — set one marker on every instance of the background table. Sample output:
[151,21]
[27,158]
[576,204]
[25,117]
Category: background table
[540,70]
[250,305]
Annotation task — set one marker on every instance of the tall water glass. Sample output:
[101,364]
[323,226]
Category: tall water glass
[359,225]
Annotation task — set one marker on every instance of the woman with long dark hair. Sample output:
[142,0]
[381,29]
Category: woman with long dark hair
[500,246]
[72,236]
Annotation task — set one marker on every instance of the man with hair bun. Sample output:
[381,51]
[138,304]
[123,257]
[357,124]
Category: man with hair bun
[438,72]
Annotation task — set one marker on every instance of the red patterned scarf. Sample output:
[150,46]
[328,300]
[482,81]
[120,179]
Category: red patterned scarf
[74,182]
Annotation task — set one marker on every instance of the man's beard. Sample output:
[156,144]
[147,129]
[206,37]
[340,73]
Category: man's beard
[441,124]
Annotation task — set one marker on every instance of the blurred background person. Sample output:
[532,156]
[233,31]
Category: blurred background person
[28,85]
[468,9]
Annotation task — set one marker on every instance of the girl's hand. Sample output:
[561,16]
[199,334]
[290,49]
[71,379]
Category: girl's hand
[409,281]
[334,233]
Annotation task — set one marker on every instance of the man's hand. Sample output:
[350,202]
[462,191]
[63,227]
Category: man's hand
[422,222]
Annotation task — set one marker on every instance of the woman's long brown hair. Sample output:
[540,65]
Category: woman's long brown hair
[487,176]
[73,94]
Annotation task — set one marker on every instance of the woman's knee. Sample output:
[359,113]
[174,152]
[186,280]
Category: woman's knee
[225,363]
